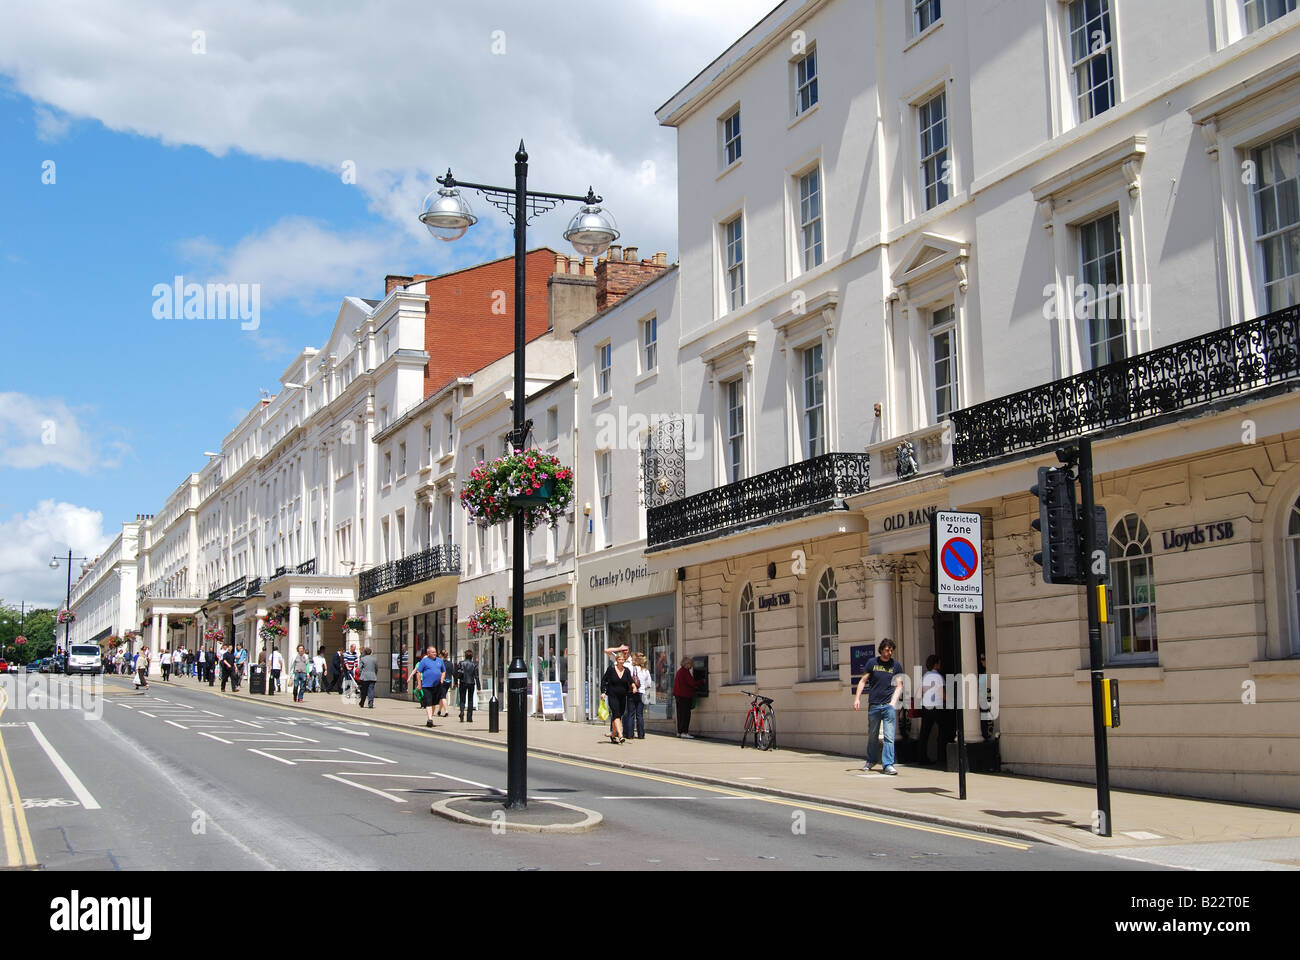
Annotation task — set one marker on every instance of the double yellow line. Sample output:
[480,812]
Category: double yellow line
[19,851]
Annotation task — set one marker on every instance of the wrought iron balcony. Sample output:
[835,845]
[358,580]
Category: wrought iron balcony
[254,587]
[235,588]
[440,561]
[279,572]
[801,489]
[1223,363]
[307,567]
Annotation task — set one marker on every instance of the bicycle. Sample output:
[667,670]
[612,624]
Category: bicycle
[761,721]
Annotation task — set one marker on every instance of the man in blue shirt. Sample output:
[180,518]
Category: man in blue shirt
[885,675]
[432,672]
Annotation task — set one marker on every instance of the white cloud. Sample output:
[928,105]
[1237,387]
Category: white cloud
[40,432]
[49,127]
[27,541]
[400,93]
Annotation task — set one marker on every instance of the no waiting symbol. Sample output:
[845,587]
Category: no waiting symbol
[958,558]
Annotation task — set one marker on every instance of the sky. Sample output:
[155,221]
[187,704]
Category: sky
[284,146]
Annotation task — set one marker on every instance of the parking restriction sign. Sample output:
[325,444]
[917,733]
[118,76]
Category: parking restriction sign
[955,560]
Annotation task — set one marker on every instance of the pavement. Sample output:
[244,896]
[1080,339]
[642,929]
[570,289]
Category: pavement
[1196,833]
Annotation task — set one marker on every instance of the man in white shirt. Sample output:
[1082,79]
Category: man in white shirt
[166,662]
[318,671]
[275,664]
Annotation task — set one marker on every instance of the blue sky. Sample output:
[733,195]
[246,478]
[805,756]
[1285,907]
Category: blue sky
[224,165]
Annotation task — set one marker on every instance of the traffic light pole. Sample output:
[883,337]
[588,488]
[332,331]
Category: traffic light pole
[1095,651]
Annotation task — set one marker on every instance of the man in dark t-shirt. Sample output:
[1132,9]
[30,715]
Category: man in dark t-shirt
[885,677]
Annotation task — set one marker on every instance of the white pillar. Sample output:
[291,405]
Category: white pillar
[156,649]
[970,668]
[883,605]
[293,638]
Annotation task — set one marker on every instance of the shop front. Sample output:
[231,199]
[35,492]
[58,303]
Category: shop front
[629,604]
[405,629]
[546,639]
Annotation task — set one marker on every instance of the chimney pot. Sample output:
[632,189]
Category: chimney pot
[661,258]
[615,251]
[630,253]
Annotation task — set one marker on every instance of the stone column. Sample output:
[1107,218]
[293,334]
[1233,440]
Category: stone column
[970,667]
[293,640]
[156,648]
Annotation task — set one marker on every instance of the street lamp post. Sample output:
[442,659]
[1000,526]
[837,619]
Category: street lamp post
[67,624]
[591,231]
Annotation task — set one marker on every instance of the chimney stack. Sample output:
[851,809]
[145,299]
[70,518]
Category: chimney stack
[621,272]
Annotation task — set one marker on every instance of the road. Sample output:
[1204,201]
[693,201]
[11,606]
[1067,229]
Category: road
[178,779]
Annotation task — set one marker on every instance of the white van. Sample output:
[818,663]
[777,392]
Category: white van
[83,658]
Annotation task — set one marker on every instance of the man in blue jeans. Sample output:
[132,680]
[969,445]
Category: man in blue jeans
[885,677]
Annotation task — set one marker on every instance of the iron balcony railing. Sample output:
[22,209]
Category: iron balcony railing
[279,572]
[1246,357]
[254,587]
[440,561]
[235,588]
[307,567]
[801,489]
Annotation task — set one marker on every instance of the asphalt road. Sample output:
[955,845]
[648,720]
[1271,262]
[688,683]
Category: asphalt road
[178,779]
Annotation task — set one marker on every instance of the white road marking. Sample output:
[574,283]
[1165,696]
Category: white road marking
[472,783]
[269,756]
[146,713]
[256,726]
[370,755]
[362,786]
[78,788]
[213,736]
[179,726]
[126,705]
[210,713]
[355,733]
[649,797]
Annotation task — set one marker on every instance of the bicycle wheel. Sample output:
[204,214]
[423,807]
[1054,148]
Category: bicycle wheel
[765,732]
[749,725]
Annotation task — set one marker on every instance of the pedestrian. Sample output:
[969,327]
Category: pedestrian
[210,666]
[241,665]
[885,676]
[468,684]
[350,658]
[931,707]
[368,666]
[336,672]
[431,669]
[634,718]
[165,661]
[227,668]
[318,671]
[275,662]
[300,667]
[444,689]
[684,690]
[615,686]
[142,667]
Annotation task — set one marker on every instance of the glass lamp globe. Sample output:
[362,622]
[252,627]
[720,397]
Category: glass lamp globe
[591,230]
[447,214]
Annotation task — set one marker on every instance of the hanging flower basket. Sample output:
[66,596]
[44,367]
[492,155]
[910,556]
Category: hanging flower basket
[177,624]
[147,623]
[355,623]
[273,631]
[214,635]
[489,620]
[130,636]
[67,616]
[322,613]
[20,640]
[112,641]
[528,484]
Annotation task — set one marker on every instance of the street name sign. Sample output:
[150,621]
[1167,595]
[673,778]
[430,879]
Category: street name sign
[958,577]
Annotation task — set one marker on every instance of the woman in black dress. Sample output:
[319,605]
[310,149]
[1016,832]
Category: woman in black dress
[615,685]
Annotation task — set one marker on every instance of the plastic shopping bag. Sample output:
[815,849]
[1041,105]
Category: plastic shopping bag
[602,712]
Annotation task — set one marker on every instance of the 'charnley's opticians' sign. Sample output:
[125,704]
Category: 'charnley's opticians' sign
[1198,535]
[625,577]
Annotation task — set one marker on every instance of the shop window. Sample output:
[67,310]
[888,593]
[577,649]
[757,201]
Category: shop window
[828,626]
[1293,573]
[746,649]
[1133,630]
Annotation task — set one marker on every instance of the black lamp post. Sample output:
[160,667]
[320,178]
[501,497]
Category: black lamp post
[591,231]
[67,624]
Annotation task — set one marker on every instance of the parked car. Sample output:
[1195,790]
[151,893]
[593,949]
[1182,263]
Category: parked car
[4,666]
[34,667]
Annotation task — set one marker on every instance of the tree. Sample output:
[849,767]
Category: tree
[37,626]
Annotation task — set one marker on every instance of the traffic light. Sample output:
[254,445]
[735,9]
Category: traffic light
[1061,557]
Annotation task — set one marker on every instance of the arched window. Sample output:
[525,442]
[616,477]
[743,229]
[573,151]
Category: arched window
[745,647]
[828,625]
[1293,572]
[1133,631]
